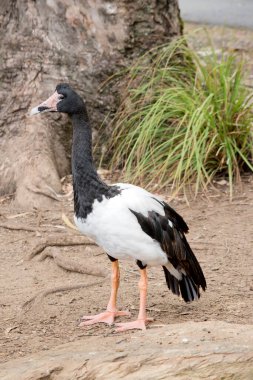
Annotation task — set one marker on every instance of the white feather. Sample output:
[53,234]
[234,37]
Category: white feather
[115,228]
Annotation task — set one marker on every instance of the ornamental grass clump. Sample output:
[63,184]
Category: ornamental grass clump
[184,119]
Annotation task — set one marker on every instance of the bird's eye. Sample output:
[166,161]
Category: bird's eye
[61,96]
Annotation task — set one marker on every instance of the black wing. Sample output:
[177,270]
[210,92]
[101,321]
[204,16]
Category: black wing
[169,231]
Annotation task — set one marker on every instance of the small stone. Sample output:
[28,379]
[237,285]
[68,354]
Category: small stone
[222,182]
[111,9]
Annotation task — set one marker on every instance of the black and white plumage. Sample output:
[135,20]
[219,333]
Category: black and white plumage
[128,222]
[133,224]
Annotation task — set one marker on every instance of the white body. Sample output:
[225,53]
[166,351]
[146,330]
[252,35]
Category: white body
[116,229]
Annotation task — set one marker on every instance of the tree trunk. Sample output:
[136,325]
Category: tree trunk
[49,41]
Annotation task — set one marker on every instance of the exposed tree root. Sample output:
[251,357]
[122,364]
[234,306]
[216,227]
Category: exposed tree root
[59,241]
[47,191]
[8,226]
[39,296]
[71,265]
[19,228]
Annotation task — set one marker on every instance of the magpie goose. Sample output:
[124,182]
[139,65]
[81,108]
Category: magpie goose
[128,222]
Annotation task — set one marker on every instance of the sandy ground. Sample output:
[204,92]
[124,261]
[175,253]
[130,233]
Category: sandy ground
[220,234]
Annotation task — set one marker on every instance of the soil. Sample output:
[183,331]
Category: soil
[220,235]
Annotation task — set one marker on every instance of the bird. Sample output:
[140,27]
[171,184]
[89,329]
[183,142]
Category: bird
[127,221]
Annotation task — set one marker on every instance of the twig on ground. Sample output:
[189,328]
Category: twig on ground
[6,197]
[19,215]
[227,247]
[132,271]
[45,228]
[68,222]
[18,228]
[99,253]
[152,309]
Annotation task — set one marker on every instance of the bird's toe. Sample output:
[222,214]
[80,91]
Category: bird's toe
[104,317]
[139,324]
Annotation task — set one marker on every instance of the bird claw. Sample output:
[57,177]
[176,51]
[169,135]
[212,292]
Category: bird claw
[104,317]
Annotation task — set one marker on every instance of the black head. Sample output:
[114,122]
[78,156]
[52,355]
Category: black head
[70,102]
[64,99]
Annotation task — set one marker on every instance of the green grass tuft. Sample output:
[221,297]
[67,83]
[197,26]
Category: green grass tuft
[183,119]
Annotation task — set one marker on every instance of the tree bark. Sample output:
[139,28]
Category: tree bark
[50,41]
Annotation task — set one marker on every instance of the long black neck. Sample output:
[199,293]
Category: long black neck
[87,185]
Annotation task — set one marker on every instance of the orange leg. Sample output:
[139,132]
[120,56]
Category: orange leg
[111,312]
[142,320]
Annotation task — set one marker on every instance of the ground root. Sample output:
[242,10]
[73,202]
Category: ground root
[8,226]
[63,241]
[37,298]
[70,265]
[58,241]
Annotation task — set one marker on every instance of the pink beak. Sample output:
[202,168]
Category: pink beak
[50,105]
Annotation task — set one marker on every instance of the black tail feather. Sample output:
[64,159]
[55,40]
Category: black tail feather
[194,269]
[184,287]
[172,282]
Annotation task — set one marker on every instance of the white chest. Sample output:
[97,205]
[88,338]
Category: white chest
[114,227]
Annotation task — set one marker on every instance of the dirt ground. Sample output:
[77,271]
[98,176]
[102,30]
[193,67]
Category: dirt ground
[220,235]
